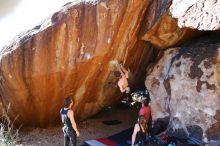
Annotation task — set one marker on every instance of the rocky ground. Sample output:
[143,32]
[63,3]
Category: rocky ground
[89,129]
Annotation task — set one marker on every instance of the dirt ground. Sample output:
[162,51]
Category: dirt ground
[89,129]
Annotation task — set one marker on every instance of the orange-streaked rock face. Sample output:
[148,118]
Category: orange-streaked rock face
[73,54]
[161,29]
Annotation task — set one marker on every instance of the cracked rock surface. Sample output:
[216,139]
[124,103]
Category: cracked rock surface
[184,83]
[197,14]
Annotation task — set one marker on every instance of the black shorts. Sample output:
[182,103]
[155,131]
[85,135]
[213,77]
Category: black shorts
[69,136]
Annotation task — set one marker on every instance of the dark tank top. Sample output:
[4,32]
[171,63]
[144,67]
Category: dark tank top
[65,119]
[141,135]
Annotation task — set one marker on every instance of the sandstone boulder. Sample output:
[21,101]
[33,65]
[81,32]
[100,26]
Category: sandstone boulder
[161,29]
[185,84]
[72,53]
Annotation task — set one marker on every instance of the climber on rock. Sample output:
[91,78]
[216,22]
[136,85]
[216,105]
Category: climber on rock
[122,75]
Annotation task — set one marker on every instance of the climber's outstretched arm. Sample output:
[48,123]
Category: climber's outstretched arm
[123,71]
